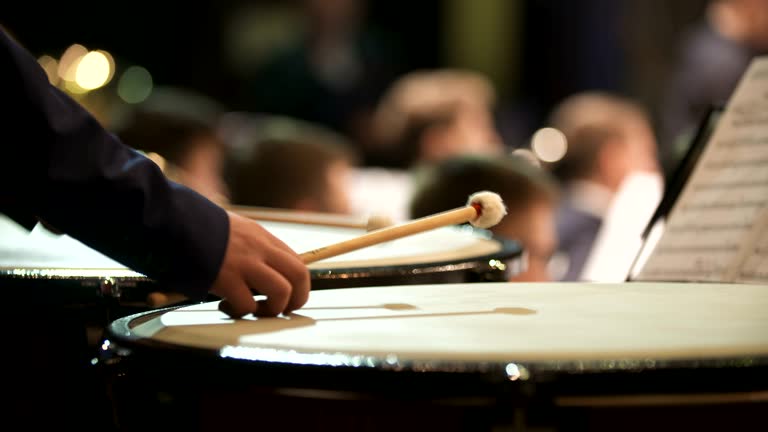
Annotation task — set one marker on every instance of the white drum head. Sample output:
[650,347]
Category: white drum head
[446,244]
[45,253]
[42,254]
[488,322]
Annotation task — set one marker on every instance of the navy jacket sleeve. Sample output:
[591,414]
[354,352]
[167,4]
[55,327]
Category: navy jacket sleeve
[60,165]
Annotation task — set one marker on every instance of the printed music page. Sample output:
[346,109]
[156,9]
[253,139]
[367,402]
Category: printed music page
[717,231]
[754,259]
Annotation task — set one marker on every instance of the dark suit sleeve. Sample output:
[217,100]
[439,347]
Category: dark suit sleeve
[58,164]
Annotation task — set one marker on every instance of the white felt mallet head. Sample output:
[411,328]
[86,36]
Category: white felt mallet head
[490,209]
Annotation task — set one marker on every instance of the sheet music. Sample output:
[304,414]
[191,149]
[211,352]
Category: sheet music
[714,232]
[754,267]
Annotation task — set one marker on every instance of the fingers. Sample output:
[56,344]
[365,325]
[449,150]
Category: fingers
[297,274]
[257,261]
[238,300]
[274,286]
[283,280]
[279,276]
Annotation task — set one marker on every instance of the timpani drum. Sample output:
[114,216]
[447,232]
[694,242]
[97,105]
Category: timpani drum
[65,272]
[452,254]
[493,356]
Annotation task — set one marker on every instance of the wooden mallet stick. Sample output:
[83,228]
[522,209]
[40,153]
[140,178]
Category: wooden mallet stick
[483,210]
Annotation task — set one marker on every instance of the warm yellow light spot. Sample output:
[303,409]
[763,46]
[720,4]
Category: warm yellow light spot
[69,60]
[92,71]
[112,66]
[74,88]
[51,68]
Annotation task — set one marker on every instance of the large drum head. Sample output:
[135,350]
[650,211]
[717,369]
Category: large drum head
[462,356]
[540,326]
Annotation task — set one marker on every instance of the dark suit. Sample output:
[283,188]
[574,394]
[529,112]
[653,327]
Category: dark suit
[576,230]
[58,164]
[708,69]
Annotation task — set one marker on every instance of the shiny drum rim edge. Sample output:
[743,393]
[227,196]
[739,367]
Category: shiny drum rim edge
[510,254]
[119,334]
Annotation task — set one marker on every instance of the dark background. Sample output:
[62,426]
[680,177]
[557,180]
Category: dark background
[547,49]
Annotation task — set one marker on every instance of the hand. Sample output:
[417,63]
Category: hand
[256,260]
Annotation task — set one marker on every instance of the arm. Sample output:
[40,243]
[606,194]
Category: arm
[60,165]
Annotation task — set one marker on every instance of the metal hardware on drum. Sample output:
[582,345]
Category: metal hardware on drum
[444,255]
[110,288]
[479,269]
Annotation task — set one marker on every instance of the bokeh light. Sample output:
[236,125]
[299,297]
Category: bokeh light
[74,88]
[549,144]
[69,61]
[135,85]
[92,70]
[51,67]
[112,65]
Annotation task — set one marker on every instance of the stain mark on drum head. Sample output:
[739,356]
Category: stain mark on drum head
[398,306]
[515,311]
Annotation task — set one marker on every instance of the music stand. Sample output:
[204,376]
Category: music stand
[674,186]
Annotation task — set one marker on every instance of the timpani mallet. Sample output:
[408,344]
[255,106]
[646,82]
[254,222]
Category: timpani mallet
[483,210]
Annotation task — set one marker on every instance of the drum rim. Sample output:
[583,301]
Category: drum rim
[511,251]
[119,338]
[72,273]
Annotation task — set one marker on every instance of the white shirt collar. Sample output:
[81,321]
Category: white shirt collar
[590,197]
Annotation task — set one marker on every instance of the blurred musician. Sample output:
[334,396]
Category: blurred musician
[529,193]
[609,138]
[304,173]
[187,144]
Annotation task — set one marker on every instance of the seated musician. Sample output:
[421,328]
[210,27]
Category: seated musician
[423,117]
[609,139]
[191,152]
[529,193]
[305,173]
[429,115]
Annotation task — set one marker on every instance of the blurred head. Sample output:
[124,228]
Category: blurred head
[529,193]
[745,21]
[535,227]
[469,130]
[301,173]
[426,116]
[609,137]
[328,17]
[189,145]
